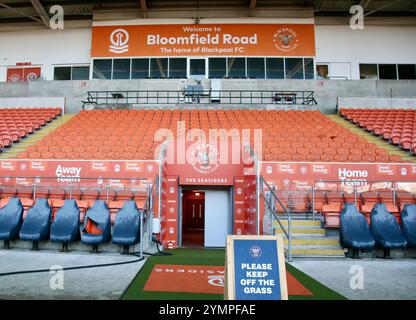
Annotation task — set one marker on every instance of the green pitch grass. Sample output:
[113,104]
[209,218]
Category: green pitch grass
[210,257]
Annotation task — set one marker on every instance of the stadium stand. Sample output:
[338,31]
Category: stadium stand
[17,123]
[129,134]
[398,126]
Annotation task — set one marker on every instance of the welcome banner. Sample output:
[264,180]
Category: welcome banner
[204,40]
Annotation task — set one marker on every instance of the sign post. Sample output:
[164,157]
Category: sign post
[255,268]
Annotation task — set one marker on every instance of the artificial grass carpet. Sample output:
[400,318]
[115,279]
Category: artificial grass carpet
[210,257]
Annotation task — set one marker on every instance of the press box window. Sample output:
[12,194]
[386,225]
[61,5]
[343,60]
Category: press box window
[255,68]
[62,73]
[80,73]
[294,68]
[71,73]
[177,68]
[102,69]
[236,67]
[159,68]
[309,70]
[217,67]
[140,68]
[368,72]
[275,68]
[121,69]
[322,71]
[407,71]
[387,71]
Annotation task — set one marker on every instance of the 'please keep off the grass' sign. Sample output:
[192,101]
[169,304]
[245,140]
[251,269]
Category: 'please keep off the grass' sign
[255,268]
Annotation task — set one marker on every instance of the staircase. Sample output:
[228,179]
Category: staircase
[11,152]
[380,142]
[309,239]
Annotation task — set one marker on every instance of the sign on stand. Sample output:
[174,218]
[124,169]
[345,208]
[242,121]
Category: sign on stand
[255,268]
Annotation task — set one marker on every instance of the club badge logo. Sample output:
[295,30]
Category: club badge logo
[255,251]
[119,39]
[204,158]
[285,39]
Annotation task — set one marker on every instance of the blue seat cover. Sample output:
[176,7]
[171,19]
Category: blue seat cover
[408,216]
[385,228]
[355,232]
[100,215]
[126,230]
[11,219]
[37,222]
[65,227]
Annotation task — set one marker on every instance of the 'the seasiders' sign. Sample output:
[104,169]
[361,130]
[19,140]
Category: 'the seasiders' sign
[204,40]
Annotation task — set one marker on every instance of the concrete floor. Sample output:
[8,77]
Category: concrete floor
[93,283]
[382,279]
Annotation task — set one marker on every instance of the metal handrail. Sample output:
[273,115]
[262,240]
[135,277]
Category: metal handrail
[205,96]
[288,232]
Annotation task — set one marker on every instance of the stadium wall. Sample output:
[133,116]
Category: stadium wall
[337,45]
[326,91]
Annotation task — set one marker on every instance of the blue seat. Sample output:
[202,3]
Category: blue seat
[386,230]
[355,233]
[36,225]
[96,228]
[408,216]
[65,227]
[126,230]
[11,219]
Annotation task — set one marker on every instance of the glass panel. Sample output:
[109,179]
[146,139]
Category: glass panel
[309,72]
[158,68]
[368,71]
[177,68]
[217,67]
[62,73]
[197,67]
[121,69]
[255,68]
[102,69]
[322,71]
[80,73]
[294,68]
[387,71]
[140,68]
[407,71]
[275,68]
[236,67]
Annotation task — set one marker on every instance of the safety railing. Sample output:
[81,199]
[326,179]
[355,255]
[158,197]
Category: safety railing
[353,189]
[128,99]
[270,200]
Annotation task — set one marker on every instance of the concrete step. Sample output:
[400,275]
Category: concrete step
[320,252]
[313,241]
[304,231]
[310,223]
